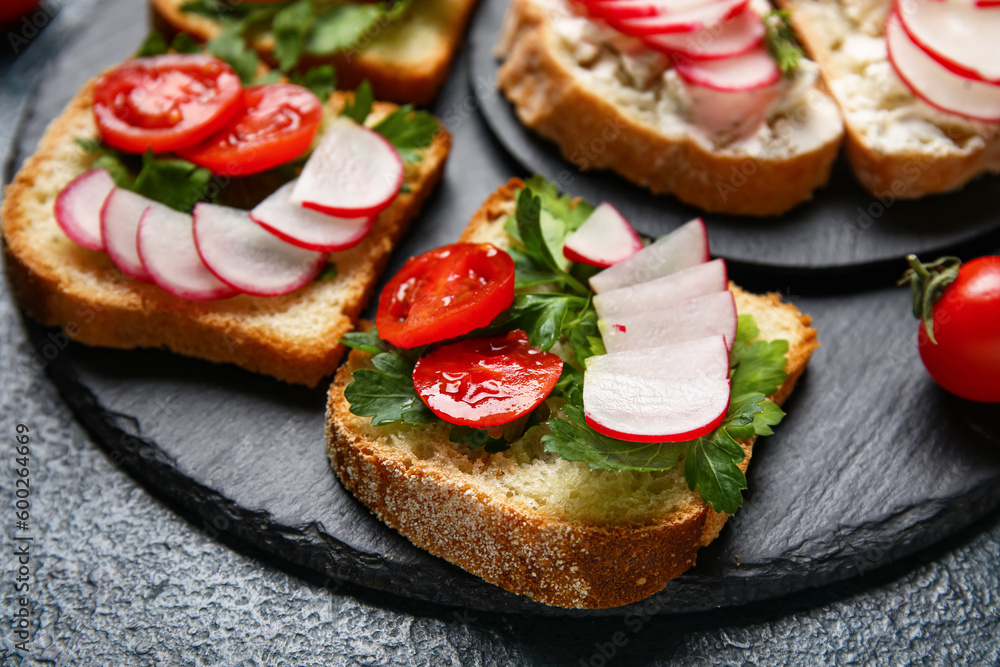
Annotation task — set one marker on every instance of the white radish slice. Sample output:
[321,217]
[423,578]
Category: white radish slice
[168,253]
[354,172]
[682,248]
[605,238]
[643,409]
[710,315]
[623,9]
[753,70]
[78,207]
[306,228]
[664,292]
[249,258]
[934,84]
[685,20]
[120,217]
[960,36]
[705,358]
[730,38]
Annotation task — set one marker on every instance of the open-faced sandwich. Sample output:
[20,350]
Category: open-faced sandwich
[918,84]
[709,100]
[403,47]
[568,433]
[170,205]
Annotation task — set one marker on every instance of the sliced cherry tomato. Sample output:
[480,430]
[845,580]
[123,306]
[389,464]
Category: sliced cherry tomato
[445,293]
[166,102]
[965,360]
[15,9]
[277,125]
[488,381]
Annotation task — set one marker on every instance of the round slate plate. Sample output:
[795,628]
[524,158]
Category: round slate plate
[844,226]
[872,463]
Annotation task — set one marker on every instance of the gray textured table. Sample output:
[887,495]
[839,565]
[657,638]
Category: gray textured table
[118,577]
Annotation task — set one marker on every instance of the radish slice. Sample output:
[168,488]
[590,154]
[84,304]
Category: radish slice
[710,315]
[78,207]
[704,358]
[354,172]
[753,70]
[622,9]
[959,36]
[643,409]
[682,248]
[120,217]
[307,228]
[728,39]
[167,250]
[249,258]
[685,20]
[934,84]
[662,292]
[605,238]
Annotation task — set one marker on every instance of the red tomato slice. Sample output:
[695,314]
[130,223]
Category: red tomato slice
[166,102]
[485,382]
[277,125]
[445,293]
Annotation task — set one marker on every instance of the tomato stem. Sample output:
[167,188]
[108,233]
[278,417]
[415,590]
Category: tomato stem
[927,283]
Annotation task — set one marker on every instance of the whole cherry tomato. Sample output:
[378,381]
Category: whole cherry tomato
[166,102]
[277,125]
[487,381]
[445,293]
[960,304]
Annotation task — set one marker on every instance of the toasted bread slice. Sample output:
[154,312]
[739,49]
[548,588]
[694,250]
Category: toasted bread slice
[609,113]
[898,145]
[406,60]
[293,337]
[526,520]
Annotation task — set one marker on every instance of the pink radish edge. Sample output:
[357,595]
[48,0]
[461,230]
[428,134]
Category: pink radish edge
[699,72]
[951,65]
[81,231]
[916,91]
[675,23]
[673,437]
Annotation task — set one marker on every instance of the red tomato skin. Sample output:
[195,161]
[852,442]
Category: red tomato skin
[277,124]
[15,9]
[484,382]
[445,293]
[166,102]
[966,359]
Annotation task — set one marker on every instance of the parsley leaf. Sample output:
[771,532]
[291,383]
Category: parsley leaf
[541,316]
[329,271]
[321,80]
[386,394]
[358,108]
[365,341]
[537,248]
[230,46]
[781,41]
[177,183]
[155,44]
[408,131]
[290,27]
[711,465]
[341,28]
[573,440]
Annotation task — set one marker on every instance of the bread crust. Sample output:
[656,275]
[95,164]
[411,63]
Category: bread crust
[61,284]
[906,172]
[393,77]
[552,100]
[566,563]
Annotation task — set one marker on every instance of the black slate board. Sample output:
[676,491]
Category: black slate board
[843,227]
[873,462]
